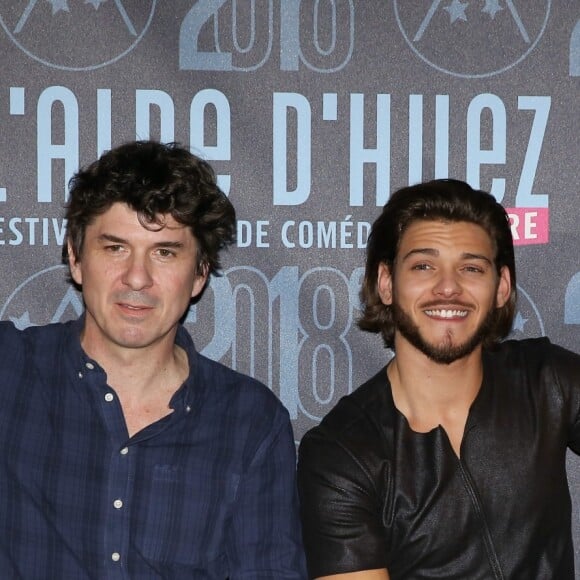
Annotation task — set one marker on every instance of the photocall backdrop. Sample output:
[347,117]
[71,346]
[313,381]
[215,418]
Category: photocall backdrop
[311,112]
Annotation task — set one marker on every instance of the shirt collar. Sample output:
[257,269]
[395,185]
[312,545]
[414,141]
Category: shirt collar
[187,397]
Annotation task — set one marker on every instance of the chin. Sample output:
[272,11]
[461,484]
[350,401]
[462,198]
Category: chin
[447,350]
[449,354]
[132,341]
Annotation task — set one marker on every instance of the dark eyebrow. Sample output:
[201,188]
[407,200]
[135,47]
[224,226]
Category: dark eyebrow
[427,251]
[111,238]
[162,244]
[168,244]
[433,252]
[469,256]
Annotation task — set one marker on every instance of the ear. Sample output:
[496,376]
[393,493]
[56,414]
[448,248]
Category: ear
[200,281]
[504,287]
[74,265]
[385,284]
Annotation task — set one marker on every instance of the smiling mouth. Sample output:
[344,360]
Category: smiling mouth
[446,313]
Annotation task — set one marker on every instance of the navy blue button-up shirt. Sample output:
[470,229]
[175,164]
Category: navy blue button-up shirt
[206,492]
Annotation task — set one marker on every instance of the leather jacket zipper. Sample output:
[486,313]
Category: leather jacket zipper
[487,539]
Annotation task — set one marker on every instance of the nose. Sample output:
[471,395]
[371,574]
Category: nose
[447,284]
[137,275]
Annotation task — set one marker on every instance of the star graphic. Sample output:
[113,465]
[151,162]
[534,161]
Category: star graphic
[492,7]
[457,10]
[22,322]
[95,3]
[519,322]
[58,5]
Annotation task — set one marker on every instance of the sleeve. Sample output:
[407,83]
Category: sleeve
[566,368]
[342,512]
[266,539]
[13,359]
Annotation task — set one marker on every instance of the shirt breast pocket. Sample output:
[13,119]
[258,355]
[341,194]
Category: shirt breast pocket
[185,520]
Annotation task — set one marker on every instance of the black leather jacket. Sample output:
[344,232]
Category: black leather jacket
[375,494]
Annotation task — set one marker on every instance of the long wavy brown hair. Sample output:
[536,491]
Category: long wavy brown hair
[438,200]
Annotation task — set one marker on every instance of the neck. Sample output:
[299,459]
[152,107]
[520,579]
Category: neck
[144,379]
[431,394]
[137,372]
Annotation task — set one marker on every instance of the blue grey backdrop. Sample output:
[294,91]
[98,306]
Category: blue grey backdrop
[312,112]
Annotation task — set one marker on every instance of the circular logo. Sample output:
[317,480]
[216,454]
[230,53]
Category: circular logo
[472,39]
[43,298]
[528,321]
[76,35]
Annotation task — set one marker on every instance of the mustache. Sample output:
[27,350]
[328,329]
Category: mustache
[438,304]
[134,298]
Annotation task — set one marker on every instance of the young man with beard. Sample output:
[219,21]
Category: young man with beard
[449,463]
[125,454]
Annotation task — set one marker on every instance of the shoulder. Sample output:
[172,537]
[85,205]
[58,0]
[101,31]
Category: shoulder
[219,378]
[18,366]
[225,382]
[357,433]
[344,482]
[9,333]
[28,342]
[359,415]
[224,385]
[48,331]
[533,356]
[246,413]
[48,343]
[538,370]
[12,347]
[244,410]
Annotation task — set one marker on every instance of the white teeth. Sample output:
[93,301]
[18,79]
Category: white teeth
[446,313]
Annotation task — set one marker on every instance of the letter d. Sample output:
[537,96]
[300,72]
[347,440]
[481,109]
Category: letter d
[282,194]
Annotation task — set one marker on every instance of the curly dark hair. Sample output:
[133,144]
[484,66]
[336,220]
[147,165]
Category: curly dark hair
[154,179]
[447,200]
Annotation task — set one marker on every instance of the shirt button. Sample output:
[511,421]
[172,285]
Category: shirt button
[80,375]
[90,366]
[124,451]
[118,504]
[115,556]
[109,397]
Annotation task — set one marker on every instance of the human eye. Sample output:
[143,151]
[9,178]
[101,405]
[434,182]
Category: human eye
[166,253]
[114,248]
[473,269]
[421,266]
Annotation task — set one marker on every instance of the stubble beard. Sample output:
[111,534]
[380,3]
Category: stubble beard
[446,352]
